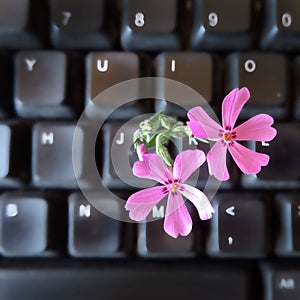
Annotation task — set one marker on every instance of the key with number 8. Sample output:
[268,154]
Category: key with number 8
[150,25]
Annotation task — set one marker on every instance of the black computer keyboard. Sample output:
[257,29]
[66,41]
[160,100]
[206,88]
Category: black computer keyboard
[56,56]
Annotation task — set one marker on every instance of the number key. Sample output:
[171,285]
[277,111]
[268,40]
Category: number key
[150,25]
[281,27]
[221,25]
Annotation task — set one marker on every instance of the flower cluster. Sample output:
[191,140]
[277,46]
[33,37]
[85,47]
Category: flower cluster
[172,174]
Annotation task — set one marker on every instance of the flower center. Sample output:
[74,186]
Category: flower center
[175,185]
[227,136]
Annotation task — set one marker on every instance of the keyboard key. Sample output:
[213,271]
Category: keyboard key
[281,26]
[251,70]
[193,69]
[297,87]
[119,156]
[22,27]
[282,171]
[153,241]
[6,80]
[91,233]
[42,84]
[281,281]
[288,216]
[52,155]
[104,70]
[239,227]
[82,25]
[23,225]
[150,26]
[14,162]
[125,281]
[220,25]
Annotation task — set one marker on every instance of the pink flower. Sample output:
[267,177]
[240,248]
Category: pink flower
[177,218]
[257,128]
[141,149]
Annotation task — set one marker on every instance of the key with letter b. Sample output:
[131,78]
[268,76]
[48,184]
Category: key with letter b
[24,225]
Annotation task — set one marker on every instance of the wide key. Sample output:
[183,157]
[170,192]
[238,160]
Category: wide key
[281,281]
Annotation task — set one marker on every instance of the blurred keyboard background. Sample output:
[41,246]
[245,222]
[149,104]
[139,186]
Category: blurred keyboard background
[55,57]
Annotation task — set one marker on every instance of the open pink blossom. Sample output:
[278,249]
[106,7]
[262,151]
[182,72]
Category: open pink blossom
[177,218]
[226,136]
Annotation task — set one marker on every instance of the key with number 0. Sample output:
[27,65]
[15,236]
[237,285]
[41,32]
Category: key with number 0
[281,27]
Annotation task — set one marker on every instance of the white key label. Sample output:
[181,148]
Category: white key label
[47,138]
[66,17]
[121,139]
[286,20]
[30,63]
[102,67]
[250,66]
[139,19]
[11,210]
[213,19]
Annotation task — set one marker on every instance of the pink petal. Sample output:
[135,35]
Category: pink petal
[141,149]
[141,203]
[151,167]
[257,128]
[216,159]
[248,161]
[232,106]
[200,201]
[177,219]
[186,163]
[202,125]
